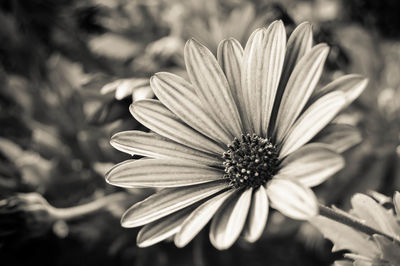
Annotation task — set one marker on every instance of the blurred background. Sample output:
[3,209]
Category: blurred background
[69,70]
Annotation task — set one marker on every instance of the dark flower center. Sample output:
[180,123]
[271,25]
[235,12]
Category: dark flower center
[250,161]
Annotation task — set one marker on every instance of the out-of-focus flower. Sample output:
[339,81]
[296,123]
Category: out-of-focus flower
[389,103]
[166,47]
[235,140]
[114,46]
[138,88]
[366,250]
[212,27]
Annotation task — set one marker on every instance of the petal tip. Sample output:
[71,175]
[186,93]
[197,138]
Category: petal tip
[306,25]
[127,222]
[179,241]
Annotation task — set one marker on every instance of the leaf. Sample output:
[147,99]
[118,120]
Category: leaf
[344,237]
[374,214]
[390,251]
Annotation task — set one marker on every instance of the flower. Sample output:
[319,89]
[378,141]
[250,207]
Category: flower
[235,139]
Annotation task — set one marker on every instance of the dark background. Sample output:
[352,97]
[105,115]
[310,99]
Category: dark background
[55,56]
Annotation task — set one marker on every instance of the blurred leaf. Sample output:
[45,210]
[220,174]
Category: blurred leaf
[390,251]
[35,170]
[64,73]
[374,214]
[344,237]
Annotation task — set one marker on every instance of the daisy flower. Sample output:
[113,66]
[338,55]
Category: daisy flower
[241,136]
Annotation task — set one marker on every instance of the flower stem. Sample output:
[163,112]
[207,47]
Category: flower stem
[353,222]
[85,209]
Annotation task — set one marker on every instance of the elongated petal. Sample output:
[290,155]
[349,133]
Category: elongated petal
[339,137]
[230,55]
[396,202]
[229,221]
[161,173]
[162,229]
[156,117]
[168,201]
[262,66]
[153,145]
[312,164]
[199,218]
[211,86]
[299,44]
[351,85]
[258,215]
[292,199]
[178,96]
[312,121]
[299,88]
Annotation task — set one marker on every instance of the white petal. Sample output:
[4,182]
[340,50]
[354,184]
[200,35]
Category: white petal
[351,85]
[161,229]
[156,117]
[230,55]
[292,199]
[167,201]
[258,215]
[299,44]
[229,221]
[299,88]
[312,164]
[161,173]
[396,202]
[312,121]
[178,96]
[211,86]
[135,142]
[199,218]
[262,65]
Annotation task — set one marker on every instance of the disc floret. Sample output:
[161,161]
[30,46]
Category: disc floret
[250,161]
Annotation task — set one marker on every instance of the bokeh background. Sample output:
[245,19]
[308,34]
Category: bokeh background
[69,70]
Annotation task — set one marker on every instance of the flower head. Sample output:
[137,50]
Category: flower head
[241,136]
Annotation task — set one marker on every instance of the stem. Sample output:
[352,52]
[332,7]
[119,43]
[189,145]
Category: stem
[353,222]
[85,209]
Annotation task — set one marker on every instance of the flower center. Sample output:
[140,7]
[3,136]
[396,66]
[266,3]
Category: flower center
[250,161]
